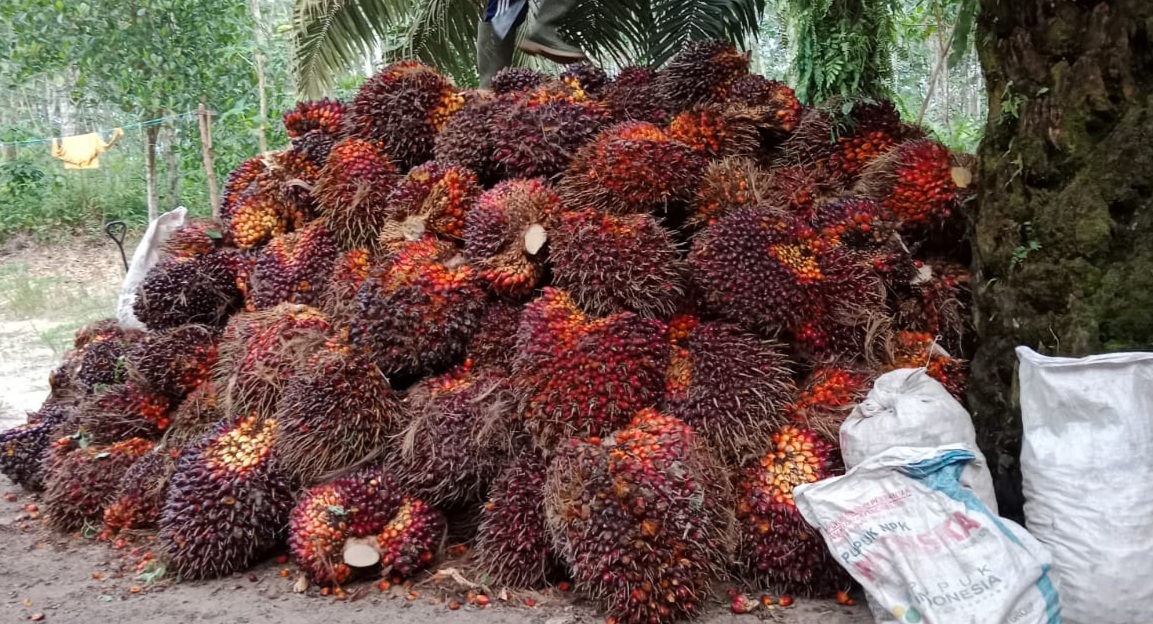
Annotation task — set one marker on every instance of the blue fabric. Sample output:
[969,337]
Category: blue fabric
[943,474]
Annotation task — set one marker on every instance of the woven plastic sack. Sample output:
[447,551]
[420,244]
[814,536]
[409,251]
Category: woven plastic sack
[1087,468]
[149,252]
[925,548]
[907,407]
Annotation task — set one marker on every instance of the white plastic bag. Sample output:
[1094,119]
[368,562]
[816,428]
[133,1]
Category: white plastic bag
[1087,468]
[149,252]
[924,547]
[907,407]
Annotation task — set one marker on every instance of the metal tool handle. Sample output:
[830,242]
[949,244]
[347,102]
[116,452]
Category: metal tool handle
[116,231]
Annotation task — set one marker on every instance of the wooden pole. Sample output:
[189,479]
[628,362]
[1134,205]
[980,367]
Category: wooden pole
[206,154]
[150,170]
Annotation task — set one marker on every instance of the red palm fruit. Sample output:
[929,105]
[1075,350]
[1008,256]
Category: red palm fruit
[630,168]
[826,398]
[937,301]
[336,411]
[727,184]
[716,132]
[260,350]
[352,190]
[403,106]
[797,190]
[103,359]
[635,96]
[493,346]
[914,184]
[197,237]
[919,350]
[585,376]
[201,290]
[504,235]
[774,104]
[586,77]
[417,309]
[325,115]
[349,271]
[729,385]
[614,264]
[457,436]
[228,502]
[432,198]
[24,448]
[644,540]
[81,479]
[245,183]
[513,79]
[194,416]
[124,411]
[314,147]
[512,544]
[466,139]
[328,515]
[412,539]
[174,361]
[294,268]
[296,173]
[701,73]
[840,144]
[537,134]
[777,546]
[140,495]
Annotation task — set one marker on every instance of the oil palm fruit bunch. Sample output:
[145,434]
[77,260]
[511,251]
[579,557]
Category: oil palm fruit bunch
[466,139]
[103,359]
[717,132]
[296,172]
[536,134]
[410,542]
[251,209]
[612,264]
[728,384]
[194,416]
[338,300]
[919,350]
[403,106]
[775,105]
[937,302]
[294,268]
[514,79]
[726,185]
[873,128]
[228,502]
[124,411]
[259,352]
[352,190]
[140,495]
[417,309]
[493,346]
[631,167]
[634,95]
[914,184]
[174,361]
[81,478]
[201,290]
[197,237]
[505,233]
[458,435]
[702,72]
[327,517]
[325,115]
[644,540]
[513,546]
[433,198]
[777,547]
[586,77]
[826,397]
[578,375]
[336,411]
[23,448]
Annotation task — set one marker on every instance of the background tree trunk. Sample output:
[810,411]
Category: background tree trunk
[1064,234]
[258,37]
[150,170]
[172,166]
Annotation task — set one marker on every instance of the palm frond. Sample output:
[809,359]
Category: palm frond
[333,36]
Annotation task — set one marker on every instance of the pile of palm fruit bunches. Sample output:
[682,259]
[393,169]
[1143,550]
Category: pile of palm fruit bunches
[581,330]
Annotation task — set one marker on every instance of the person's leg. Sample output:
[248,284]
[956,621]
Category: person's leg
[493,51]
[542,39]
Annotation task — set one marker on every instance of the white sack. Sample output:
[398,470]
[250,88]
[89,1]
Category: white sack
[907,407]
[1087,466]
[149,252]
[925,548]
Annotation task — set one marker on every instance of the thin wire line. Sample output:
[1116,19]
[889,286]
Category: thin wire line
[138,124]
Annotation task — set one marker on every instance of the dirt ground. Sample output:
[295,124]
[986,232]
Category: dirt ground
[46,293]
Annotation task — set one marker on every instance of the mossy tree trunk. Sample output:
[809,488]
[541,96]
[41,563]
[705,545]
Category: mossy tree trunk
[1064,234]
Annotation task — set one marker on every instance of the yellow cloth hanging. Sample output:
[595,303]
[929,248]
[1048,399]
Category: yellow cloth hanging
[83,150]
